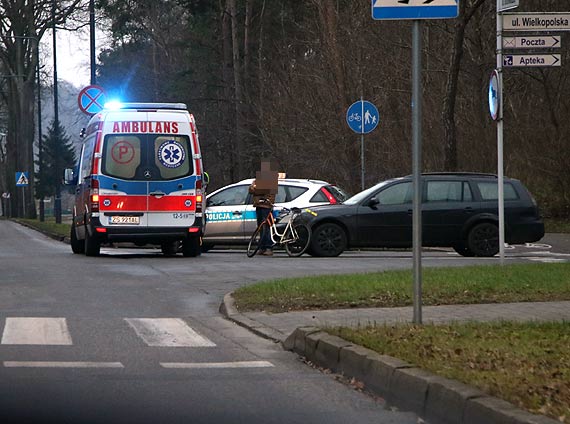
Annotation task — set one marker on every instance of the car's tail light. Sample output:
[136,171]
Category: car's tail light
[94,195]
[199,196]
[332,200]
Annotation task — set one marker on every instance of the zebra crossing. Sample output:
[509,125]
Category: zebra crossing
[153,332]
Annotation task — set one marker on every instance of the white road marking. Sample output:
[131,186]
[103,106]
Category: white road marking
[36,331]
[61,364]
[548,260]
[202,365]
[171,332]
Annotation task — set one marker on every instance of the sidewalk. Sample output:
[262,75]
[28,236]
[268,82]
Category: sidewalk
[434,398]
[279,326]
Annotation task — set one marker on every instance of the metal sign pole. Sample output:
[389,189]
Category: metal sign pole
[417,181]
[501,196]
[362,147]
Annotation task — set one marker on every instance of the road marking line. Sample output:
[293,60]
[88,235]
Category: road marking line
[201,365]
[61,364]
[36,331]
[171,332]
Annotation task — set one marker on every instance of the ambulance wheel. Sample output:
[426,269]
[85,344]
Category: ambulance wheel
[191,247]
[169,248]
[77,246]
[92,245]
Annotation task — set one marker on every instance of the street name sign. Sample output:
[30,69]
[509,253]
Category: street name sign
[536,21]
[507,4]
[531,60]
[415,9]
[532,42]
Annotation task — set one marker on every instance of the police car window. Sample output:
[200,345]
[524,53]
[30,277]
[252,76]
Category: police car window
[281,195]
[490,191]
[396,195]
[121,155]
[172,156]
[293,192]
[319,197]
[230,196]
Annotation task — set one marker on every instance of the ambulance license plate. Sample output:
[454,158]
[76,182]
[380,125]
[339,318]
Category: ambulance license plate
[128,220]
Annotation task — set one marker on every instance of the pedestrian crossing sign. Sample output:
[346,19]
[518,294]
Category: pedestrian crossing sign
[22,179]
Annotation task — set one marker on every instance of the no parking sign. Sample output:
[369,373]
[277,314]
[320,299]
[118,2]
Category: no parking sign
[91,99]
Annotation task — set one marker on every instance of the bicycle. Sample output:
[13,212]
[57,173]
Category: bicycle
[295,237]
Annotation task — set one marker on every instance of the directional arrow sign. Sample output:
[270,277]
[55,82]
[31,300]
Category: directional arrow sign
[532,42]
[526,60]
[536,21]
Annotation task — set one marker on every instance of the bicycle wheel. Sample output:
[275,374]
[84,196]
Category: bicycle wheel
[254,241]
[301,240]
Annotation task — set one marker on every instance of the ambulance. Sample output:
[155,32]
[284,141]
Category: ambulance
[139,179]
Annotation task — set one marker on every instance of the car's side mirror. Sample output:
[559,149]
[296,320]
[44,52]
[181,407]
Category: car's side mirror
[69,177]
[373,202]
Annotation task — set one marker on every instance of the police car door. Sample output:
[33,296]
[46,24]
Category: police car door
[226,214]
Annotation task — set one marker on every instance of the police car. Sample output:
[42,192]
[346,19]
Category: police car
[230,215]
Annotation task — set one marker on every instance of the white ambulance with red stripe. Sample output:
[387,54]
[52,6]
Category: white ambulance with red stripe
[139,179]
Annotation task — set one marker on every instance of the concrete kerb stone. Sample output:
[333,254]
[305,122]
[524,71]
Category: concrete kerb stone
[228,309]
[405,386]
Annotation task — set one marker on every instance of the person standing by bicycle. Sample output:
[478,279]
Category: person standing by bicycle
[264,189]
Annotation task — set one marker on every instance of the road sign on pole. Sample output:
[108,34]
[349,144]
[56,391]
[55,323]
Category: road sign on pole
[531,60]
[536,21]
[414,9]
[91,99]
[532,42]
[494,98]
[22,179]
[507,4]
[362,117]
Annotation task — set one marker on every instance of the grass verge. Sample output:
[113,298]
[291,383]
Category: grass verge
[48,226]
[557,225]
[466,285]
[527,364]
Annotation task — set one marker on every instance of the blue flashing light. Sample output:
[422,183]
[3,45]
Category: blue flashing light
[113,105]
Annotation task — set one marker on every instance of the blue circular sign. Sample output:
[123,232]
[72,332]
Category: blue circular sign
[171,154]
[362,117]
[494,95]
[91,99]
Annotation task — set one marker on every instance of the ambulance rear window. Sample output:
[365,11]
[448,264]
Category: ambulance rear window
[147,157]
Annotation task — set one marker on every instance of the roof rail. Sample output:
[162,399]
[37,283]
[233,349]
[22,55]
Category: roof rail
[140,106]
[470,174]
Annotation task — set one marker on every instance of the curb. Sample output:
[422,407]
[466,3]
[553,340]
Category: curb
[58,237]
[403,385]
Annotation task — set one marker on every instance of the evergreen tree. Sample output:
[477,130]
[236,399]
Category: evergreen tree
[57,153]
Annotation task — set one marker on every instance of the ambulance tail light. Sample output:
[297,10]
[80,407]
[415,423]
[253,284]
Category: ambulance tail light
[199,196]
[94,195]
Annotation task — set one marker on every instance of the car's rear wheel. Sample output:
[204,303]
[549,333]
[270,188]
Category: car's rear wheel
[92,245]
[169,248]
[191,247]
[483,239]
[77,246]
[328,239]
[207,246]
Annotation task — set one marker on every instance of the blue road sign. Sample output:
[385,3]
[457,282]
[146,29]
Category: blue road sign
[22,179]
[362,117]
[415,9]
[91,99]
[494,95]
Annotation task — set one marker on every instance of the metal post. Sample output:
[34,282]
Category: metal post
[92,40]
[57,200]
[416,164]
[362,145]
[500,175]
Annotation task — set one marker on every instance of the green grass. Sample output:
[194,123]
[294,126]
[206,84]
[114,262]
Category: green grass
[465,285]
[48,226]
[527,364]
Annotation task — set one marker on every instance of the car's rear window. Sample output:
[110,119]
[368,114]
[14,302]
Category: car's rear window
[490,190]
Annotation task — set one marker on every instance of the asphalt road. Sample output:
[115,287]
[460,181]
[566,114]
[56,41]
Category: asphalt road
[133,336]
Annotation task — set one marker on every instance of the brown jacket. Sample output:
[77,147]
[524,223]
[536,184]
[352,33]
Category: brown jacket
[261,200]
